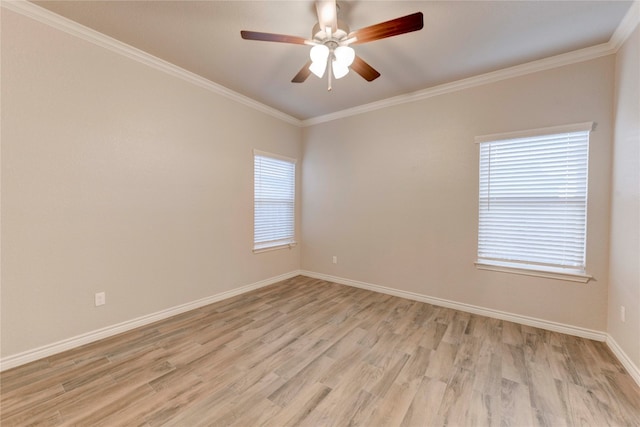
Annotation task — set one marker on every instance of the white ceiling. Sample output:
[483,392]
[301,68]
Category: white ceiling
[460,39]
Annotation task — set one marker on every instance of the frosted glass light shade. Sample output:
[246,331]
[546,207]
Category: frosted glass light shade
[319,53]
[344,55]
[318,68]
[339,70]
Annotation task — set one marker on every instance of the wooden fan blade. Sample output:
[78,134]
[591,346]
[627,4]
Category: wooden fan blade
[269,37]
[302,74]
[365,70]
[395,27]
[327,14]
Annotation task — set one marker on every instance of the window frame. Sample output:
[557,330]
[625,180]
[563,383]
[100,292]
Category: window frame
[524,268]
[286,241]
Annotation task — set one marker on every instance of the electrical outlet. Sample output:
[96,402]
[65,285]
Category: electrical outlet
[100,299]
[622,313]
[335,259]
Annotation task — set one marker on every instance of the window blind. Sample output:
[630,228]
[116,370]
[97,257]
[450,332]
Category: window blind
[274,201]
[533,201]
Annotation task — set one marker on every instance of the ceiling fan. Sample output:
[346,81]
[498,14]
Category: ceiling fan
[331,40]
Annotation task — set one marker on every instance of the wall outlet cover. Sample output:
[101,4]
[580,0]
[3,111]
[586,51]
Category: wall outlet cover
[100,298]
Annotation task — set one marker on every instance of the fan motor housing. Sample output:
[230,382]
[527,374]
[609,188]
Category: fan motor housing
[337,37]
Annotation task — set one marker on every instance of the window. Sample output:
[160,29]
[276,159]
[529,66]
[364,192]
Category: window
[274,201]
[533,202]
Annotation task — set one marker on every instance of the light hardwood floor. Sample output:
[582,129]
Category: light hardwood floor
[313,353]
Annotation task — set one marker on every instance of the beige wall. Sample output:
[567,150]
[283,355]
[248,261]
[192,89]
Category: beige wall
[624,279]
[393,193]
[117,177]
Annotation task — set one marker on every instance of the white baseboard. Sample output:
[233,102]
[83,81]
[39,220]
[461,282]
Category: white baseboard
[633,370]
[73,342]
[497,314]
[628,364]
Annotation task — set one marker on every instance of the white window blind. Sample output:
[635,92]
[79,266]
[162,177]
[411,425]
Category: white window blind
[274,201]
[533,200]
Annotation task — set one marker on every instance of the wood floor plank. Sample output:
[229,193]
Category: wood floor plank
[299,408]
[107,405]
[347,401]
[234,410]
[484,409]
[334,411]
[342,366]
[424,408]
[442,362]
[515,404]
[309,375]
[306,352]
[392,408]
[457,395]
[79,397]
[166,402]
[513,364]
[20,402]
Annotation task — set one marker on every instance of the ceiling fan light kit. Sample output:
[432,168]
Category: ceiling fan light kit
[339,70]
[331,40]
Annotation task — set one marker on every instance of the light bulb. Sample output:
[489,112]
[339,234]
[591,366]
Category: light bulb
[344,55]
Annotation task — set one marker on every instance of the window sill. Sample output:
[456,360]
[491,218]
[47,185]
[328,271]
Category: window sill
[289,245]
[548,273]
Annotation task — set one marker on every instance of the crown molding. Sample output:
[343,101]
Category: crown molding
[620,35]
[623,31]
[73,28]
[626,27]
[551,62]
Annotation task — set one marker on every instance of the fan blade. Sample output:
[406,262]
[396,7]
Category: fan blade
[365,70]
[395,27]
[269,37]
[327,14]
[302,74]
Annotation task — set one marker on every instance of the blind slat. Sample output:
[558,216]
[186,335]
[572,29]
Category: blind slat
[274,201]
[533,200]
